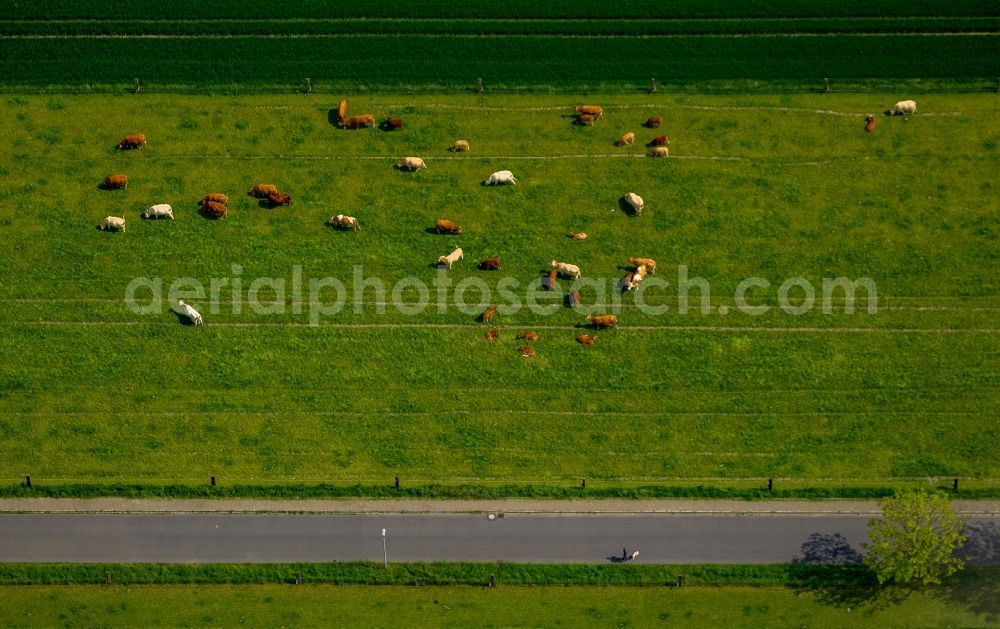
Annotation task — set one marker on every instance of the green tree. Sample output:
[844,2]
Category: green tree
[916,539]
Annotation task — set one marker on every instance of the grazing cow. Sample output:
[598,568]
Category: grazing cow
[490,264]
[659,151]
[217,197]
[526,351]
[444,226]
[870,123]
[577,235]
[660,140]
[460,146]
[356,122]
[584,120]
[215,209]
[634,556]
[635,202]
[161,210]
[112,224]
[341,221]
[600,322]
[113,182]
[392,124]
[261,190]
[279,198]
[342,113]
[654,122]
[573,299]
[528,335]
[628,138]
[410,163]
[451,258]
[904,108]
[549,281]
[633,278]
[488,314]
[133,141]
[649,263]
[586,339]
[492,335]
[562,268]
[589,110]
[192,315]
[500,177]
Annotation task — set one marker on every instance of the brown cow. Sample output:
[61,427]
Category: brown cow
[261,190]
[573,299]
[659,151]
[279,198]
[342,113]
[577,235]
[392,124]
[628,138]
[216,197]
[526,351]
[132,141]
[660,140]
[589,110]
[603,321]
[356,122]
[649,263]
[488,314]
[584,120]
[549,281]
[460,146]
[490,264]
[444,226]
[586,339]
[215,209]
[653,122]
[491,335]
[870,123]
[112,182]
[528,335]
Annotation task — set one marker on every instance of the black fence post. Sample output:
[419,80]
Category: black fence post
[479,85]
[583,482]
[397,482]
[680,580]
[298,578]
[213,481]
[770,484]
[27,481]
[954,485]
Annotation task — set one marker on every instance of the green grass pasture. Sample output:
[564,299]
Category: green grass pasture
[396,381]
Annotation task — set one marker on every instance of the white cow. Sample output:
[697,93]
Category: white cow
[635,202]
[345,222]
[193,315]
[410,163]
[904,108]
[451,258]
[569,270]
[162,210]
[500,177]
[112,224]
[634,277]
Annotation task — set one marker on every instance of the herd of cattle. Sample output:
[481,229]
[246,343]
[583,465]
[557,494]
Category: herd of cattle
[215,205]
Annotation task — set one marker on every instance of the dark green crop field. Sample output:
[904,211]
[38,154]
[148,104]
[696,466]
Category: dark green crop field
[560,45]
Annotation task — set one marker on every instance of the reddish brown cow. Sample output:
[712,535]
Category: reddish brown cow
[654,122]
[356,122]
[603,321]
[342,113]
[112,182]
[573,299]
[444,226]
[492,335]
[526,351]
[215,209]
[870,124]
[528,335]
[490,264]
[279,198]
[589,110]
[488,314]
[261,190]
[132,141]
[660,140]
[584,120]
[549,281]
[215,197]
[391,124]
[586,339]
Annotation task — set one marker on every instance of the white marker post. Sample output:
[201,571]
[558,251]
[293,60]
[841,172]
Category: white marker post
[385,553]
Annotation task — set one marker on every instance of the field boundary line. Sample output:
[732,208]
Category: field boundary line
[581,327]
[500,411]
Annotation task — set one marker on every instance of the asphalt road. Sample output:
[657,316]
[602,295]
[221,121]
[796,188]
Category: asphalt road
[249,538]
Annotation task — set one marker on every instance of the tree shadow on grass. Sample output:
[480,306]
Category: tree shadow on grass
[977,588]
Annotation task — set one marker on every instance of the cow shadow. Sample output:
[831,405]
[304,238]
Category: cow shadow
[333,118]
[182,318]
[626,207]
[106,187]
[206,214]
